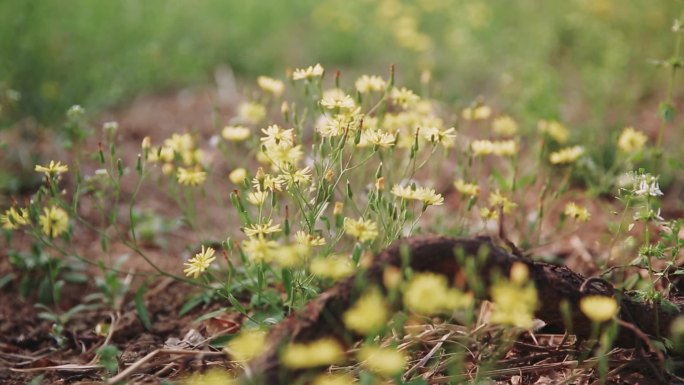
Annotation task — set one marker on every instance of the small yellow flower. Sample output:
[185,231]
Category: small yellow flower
[514,303]
[480,112]
[366,84]
[498,200]
[322,352]
[566,155]
[235,133]
[334,379]
[577,212]
[368,315]
[275,135]
[146,143]
[273,86]
[14,218]
[259,249]
[337,209]
[247,345]
[338,100]
[506,147]
[211,377]
[335,267]
[259,230]
[251,112]
[238,176]
[404,97]
[263,182]
[291,255]
[308,73]
[191,177]
[308,240]
[434,135]
[378,138]
[468,189]
[505,126]
[52,169]
[284,156]
[428,294]
[54,221]
[384,361]
[200,262]
[363,230]
[428,196]
[599,308]
[489,214]
[404,192]
[296,176]
[482,147]
[554,129]
[631,140]
[257,198]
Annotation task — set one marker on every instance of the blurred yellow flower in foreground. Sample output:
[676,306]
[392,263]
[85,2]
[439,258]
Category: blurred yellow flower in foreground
[515,300]
[211,377]
[14,218]
[335,267]
[384,361]
[429,293]
[322,352]
[599,308]
[368,314]
[247,345]
[334,379]
[577,212]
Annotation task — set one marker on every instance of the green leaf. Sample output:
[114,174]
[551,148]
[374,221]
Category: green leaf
[212,314]
[191,304]
[141,309]
[666,112]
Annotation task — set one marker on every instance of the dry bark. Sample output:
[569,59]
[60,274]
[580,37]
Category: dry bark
[438,254]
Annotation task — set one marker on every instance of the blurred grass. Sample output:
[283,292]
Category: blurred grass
[537,58]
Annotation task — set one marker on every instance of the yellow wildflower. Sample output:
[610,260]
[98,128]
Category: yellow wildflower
[482,147]
[200,262]
[631,140]
[434,135]
[259,230]
[599,308]
[273,86]
[505,126]
[211,377]
[404,192]
[384,361]
[489,214]
[480,112]
[366,84]
[577,212]
[469,189]
[291,255]
[52,169]
[54,221]
[296,176]
[247,345]
[13,219]
[308,240]
[284,156]
[257,198]
[515,300]
[191,177]
[428,196]
[322,352]
[337,209]
[498,200]
[428,294]
[238,176]
[368,315]
[566,155]
[276,135]
[251,112]
[235,133]
[338,100]
[259,249]
[146,143]
[554,129]
[363,230]
[404,97]
[335,267]
[378,138]
[334,379]
[308,73]
[263,182]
